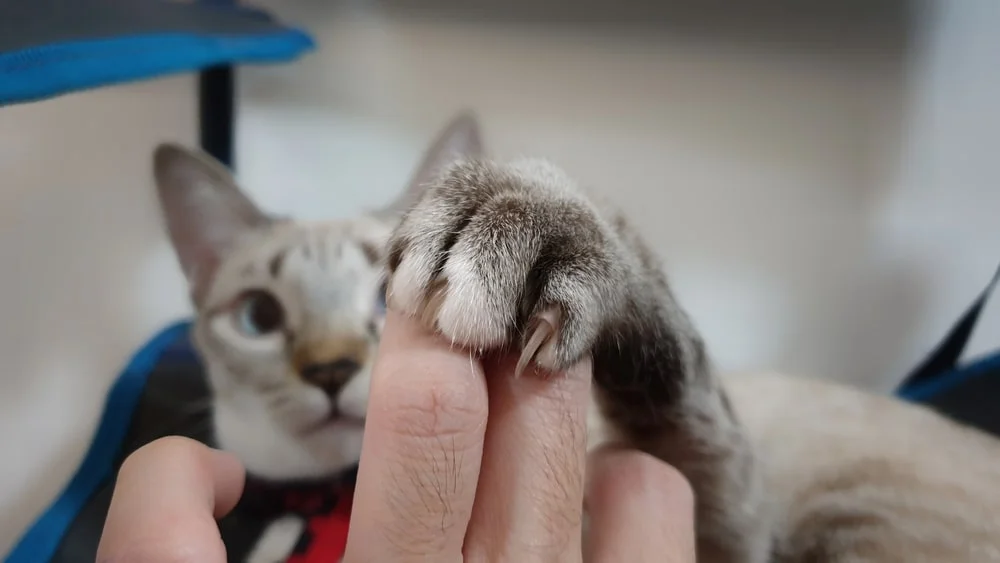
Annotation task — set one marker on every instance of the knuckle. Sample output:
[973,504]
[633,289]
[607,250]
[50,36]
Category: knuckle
[435,429]
[437,412]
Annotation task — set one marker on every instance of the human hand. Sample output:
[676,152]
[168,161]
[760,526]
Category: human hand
[436,483]
[462,461]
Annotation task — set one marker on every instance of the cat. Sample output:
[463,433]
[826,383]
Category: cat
[516,255]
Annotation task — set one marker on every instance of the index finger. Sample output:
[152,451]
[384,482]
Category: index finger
[422,449]
[166,498]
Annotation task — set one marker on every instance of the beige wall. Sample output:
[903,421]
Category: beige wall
[825,212]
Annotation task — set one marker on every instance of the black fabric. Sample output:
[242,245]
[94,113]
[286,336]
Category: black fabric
[975,400]
[31,23]
[171,404]
[967,393]
[945,357]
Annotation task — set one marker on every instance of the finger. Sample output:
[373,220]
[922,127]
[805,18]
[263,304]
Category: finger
[640,509]
[530,499]
[422,449]
[166,498]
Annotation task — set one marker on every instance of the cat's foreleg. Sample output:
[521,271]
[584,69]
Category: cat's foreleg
[657,392]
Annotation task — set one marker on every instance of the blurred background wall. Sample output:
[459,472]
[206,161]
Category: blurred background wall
[822,181]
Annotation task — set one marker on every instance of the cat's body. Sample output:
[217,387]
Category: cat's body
[513,255]
[850,476]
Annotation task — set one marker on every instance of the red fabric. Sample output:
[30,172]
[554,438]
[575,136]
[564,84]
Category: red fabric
[325,537]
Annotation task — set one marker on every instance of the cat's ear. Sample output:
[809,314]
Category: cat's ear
[459,140]
[204,210]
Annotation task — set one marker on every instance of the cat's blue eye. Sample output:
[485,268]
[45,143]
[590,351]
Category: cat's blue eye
[258,313]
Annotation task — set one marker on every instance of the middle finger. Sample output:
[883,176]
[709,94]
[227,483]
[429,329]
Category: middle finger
[530,497]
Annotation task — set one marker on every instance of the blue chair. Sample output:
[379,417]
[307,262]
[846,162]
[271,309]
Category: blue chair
[53,47]
[966,392]
[49,48]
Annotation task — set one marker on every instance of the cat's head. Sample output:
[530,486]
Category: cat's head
[288,314]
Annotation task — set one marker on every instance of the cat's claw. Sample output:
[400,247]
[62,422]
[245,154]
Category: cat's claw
[539,347]
[542,333]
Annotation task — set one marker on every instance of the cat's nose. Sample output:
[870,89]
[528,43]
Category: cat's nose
[330,360]
[331,376]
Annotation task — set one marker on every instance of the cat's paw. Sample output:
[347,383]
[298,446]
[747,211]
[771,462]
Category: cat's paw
[508,256]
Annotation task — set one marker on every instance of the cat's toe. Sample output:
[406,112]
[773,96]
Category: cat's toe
[453,299]
[411,273]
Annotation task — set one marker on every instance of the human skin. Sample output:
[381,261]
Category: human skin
[461,461]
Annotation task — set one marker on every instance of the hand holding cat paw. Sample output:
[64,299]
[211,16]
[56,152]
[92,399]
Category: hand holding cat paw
[462,461]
